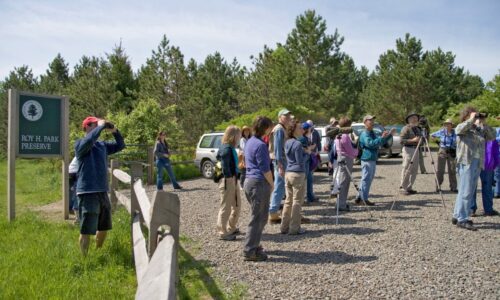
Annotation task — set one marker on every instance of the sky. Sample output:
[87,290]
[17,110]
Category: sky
[33,32]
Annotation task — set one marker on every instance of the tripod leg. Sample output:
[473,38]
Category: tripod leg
[427,148]
[412,161]
[335,174]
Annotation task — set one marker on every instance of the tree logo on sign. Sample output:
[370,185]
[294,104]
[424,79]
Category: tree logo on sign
[32,110]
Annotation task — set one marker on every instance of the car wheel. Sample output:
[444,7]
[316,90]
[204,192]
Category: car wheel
[207,169]
[389,153]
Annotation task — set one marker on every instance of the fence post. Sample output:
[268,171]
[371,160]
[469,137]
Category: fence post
[114,183]
[151,160]
[135,172]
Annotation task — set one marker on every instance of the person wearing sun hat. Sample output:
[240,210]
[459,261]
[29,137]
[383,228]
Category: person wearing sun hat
[92,183]
[447,154]
[410,136]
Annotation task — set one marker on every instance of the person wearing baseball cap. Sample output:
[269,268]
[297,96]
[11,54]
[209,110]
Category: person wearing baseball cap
[446,154]
[369,143]
[277,141]
[92,183]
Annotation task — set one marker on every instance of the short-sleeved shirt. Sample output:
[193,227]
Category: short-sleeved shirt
[295,156]
[257,159]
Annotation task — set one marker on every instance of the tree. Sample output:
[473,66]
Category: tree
[122,76]
[56,77]
[21,79]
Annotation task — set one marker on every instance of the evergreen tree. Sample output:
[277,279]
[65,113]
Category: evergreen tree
[56,77]
[122,75]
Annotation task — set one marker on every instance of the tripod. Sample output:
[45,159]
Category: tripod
[428,149]
[342,164]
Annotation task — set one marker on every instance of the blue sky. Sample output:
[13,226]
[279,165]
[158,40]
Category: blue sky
[33,32]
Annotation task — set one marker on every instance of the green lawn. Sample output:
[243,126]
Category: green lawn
[40,259]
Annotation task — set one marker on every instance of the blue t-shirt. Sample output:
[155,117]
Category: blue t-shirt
[295,156]
[257,159]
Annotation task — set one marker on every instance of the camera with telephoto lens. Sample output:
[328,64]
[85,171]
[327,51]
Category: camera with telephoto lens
[481,115]
[109,125]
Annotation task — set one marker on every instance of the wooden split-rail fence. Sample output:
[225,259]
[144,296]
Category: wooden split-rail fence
[155,263]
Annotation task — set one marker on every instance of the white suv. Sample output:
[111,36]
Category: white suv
[206,153]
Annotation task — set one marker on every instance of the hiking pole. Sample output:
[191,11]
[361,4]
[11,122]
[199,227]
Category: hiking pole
[408,169]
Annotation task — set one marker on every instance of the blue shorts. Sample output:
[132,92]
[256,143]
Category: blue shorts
[94,212]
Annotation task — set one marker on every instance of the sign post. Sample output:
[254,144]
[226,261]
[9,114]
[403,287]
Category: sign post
[38,127]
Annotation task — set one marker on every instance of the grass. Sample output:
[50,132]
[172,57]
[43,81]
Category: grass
[40,259]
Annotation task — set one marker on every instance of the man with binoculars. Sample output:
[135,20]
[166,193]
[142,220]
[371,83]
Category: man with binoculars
[92,186]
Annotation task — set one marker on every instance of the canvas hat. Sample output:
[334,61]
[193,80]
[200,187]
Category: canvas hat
[368,117]
[89,120]
[448,121]
[411,115]
[284,112]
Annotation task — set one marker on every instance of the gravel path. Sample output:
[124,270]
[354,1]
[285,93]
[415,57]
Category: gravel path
[412,252]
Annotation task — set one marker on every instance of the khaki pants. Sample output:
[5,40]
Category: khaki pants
[409,172]
[443,160]
[295,186]
[230,205]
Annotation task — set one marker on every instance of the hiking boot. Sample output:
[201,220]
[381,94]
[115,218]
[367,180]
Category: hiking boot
[369,203]
[228,237]
[466,225]
[412,192]
[258,256]
[274,218]
[454,221]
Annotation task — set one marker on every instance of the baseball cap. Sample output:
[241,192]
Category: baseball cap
[368,117]
[284,112]
[89,120]
[306,125]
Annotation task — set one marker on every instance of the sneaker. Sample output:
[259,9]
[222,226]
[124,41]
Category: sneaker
[333,195]
[301,231]
[454,221]
[274,218]
[358,201]
[229,237]
[473,213]
[404,192]
[466,225]
[412,192]
[491,214]
[454,190]
[178,187]
[258,256]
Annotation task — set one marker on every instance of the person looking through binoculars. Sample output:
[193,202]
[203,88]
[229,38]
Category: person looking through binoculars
[447,154]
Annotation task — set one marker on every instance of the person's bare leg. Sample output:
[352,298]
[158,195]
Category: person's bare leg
[84,243]
[99,238]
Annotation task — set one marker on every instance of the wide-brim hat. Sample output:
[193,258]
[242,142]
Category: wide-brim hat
[411,115]
[448,121]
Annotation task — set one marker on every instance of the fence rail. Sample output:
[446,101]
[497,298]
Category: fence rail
[155,258]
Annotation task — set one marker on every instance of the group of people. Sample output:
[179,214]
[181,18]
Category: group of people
[275,162]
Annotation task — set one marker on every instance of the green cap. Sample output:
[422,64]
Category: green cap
[284,112]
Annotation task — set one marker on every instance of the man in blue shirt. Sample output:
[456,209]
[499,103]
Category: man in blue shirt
[370,143]
[92,184]
[277,153]
[447,154]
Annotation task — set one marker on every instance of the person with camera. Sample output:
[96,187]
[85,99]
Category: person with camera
[471,138]
[425,130]
[410,137]
[345,155]
[92,183]
[162,154]
[258,186]
[369,142]
[230,198]
[447,154]
[491,162]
